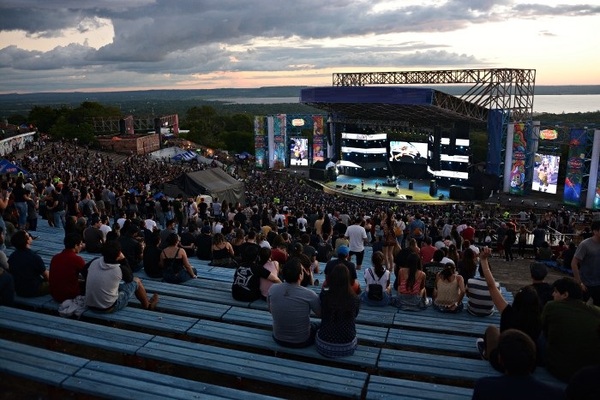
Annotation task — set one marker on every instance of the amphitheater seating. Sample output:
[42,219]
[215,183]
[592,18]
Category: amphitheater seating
[198,325]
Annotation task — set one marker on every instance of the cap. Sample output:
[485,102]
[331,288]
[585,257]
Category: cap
[343,250]
[538,270]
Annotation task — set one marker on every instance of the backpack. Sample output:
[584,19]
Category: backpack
[375,291]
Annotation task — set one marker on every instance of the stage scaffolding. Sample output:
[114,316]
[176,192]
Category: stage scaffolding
[506,89]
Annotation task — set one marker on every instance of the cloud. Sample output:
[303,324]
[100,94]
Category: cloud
[179,38]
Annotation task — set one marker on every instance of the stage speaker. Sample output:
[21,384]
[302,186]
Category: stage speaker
[378,192]
[122,128]
[410,185]
[351,187]
[408,197]
[392,192]
[462,193]
[338,186]
[433,188]
[157,125]
[365,190]
[441,197]
[434,148]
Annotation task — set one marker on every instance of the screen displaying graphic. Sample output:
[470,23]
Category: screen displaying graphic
[298,151]
[410,152]
[545,173]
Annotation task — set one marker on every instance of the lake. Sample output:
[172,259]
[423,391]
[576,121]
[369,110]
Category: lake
[554,104]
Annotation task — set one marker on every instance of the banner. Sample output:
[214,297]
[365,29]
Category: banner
[318,139]
[279,141]
[517,170]
[260,142]
[596,204]
[575,164]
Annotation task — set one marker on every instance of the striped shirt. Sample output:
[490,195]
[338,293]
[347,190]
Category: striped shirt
[480,301]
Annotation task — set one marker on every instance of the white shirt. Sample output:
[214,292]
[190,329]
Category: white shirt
[356,235]
[105,229]
[150,224]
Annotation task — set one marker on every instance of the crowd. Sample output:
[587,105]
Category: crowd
[276,241]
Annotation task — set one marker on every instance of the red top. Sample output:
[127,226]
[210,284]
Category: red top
[64,275]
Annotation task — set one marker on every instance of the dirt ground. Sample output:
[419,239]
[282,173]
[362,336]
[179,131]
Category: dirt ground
[514,275]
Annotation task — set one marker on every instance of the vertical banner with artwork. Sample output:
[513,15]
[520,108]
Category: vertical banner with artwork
[260,142]
[279,141]
[593,196]
[575,165]
[517,169]
[318,139]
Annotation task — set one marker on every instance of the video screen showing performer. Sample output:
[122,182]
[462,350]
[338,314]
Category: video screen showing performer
[545,173]
[299,152]
[410,152]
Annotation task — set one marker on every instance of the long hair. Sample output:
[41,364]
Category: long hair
[448,271]
[413,263]
[339,299]
[377,261]
[468,266]
[528,311]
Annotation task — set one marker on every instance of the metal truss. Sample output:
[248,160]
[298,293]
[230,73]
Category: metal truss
[501,88]
[111,124]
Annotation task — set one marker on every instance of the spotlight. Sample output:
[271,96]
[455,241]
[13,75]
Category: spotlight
[509,199]
[535,203]
[522,201]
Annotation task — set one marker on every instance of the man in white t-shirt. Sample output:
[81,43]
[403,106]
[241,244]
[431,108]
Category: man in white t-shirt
[357,237]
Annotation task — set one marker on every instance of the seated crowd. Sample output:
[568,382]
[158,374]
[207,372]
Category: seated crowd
[277,242]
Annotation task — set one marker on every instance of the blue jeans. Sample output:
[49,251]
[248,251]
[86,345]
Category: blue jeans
[126,292]
[21,206]
[385,301]
[59,219]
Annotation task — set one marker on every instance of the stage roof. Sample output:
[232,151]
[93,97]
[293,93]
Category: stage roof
[414,106]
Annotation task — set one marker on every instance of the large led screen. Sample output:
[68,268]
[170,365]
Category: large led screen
[545,173]
[299,151]
[411,152]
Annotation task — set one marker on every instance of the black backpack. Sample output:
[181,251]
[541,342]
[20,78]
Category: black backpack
[375,291]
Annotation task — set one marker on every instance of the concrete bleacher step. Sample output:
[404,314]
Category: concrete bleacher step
[257,338]
[311,378]
[263,319]
[119,382]
[100,379]
[42,365]
[383,388]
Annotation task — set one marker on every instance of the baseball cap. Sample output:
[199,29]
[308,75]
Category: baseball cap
[343,250]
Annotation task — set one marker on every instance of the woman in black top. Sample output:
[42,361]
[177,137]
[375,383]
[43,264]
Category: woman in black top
[339,307]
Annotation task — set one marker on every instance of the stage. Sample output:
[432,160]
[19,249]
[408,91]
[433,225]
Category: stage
[365,188]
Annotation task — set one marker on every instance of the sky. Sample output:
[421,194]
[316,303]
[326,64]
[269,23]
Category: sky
[114,45]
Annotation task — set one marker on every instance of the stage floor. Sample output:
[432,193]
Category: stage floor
[419,192]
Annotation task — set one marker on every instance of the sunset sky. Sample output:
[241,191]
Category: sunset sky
[108,45]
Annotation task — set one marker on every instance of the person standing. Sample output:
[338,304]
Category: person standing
[509,241]
[586,264]
[21,197]
[357,237]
